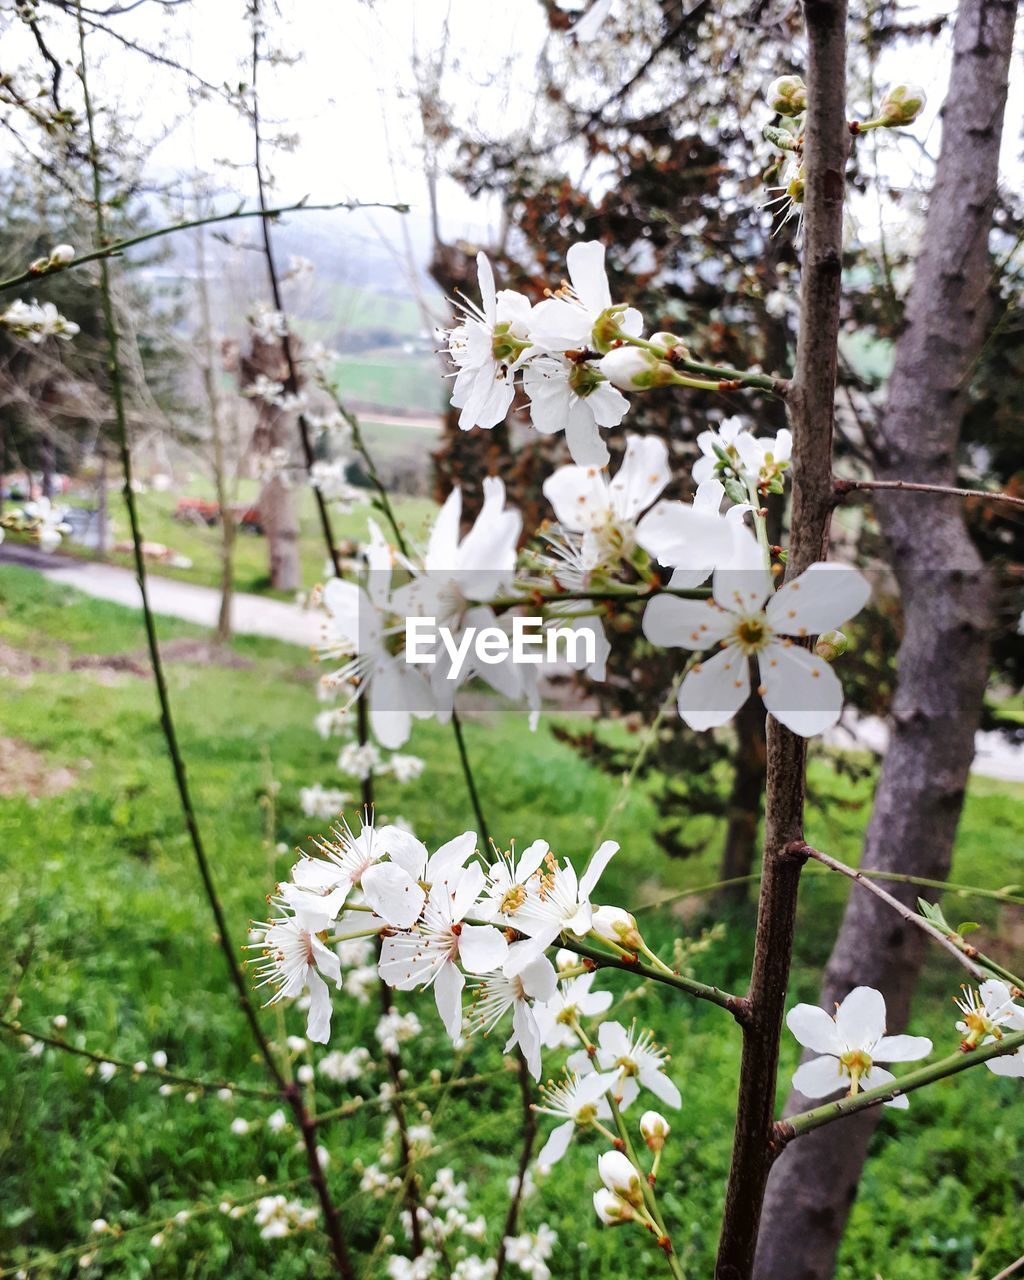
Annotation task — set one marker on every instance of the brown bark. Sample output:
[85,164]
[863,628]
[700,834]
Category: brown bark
[811,409]
[947,604]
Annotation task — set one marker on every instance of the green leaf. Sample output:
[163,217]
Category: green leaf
[967,926]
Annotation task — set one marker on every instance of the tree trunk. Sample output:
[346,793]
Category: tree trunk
[947,605]
[274,435]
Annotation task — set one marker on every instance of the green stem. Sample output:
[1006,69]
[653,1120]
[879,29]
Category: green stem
[796,1126]
[650,1197]
[166,718]
[733,1004]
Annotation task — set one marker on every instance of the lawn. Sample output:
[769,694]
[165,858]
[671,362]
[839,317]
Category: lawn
[201,544]
[105,924]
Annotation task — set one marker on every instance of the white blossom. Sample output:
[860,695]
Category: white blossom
[636,1060]
[851,1044]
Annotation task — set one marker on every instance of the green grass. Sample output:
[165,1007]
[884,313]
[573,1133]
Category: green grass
[391,380]
[104,922]
[202,544]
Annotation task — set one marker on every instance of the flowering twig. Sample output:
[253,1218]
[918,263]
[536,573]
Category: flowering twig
[158,1073]
[647,1185]
[525,1155]
[842,488]
[902,909]
[116,247]
[786,1130]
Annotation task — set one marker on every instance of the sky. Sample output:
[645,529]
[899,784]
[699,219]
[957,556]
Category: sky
[351,96]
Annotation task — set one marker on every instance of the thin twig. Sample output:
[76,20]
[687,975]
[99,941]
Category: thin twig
[842,488]
[1013,1269]
[525,1155]
[787,1130]
[900,908]
[166,717]
[117,247]
[158,1073]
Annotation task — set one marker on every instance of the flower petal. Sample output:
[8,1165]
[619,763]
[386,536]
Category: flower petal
[715,690]
[318,1018]
[596,866]
[482,948]
[583,438]
[901,1048]
[687,624]
[814,1029]
[820,1077]
[393,894]
[585,264]
[641,477]
[662,1087]
[557,1145]
[822,597]
[448,998]
[800,689]
[860,1019]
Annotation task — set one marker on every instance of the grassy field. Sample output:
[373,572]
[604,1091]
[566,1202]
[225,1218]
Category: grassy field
[104,923]
[201,544]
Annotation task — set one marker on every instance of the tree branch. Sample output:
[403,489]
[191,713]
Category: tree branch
[811,407]
[842,488]
[901,908]
[796,1126]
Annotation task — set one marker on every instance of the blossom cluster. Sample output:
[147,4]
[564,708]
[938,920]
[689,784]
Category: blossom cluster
[34,321]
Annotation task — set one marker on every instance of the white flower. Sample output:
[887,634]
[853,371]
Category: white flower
[590,22]
[556,902]
[603,512]
[507,880]
[62,254]
[852,1043]
[396,1029]
[394,888]
[750,459]
[487,347]
[405,768]
[239,1126]
[359,630]
[322,802]
[574,397]
[799,688]
[359,759]
[611,1209]
[691,538]
[276,1121]
[34,321]
[267,324]
[636,1060]
[572,1003]
[159,1059]
[987,1013]
[577,1101]
[430,955]
[621,1177]
[294,957]
[495,994]
[323,884]
[575,318]
[343,1068]
[106,1071]
[460,575]
[654,1129]
[47,522]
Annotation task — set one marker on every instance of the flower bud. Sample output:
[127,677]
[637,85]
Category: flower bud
[654,1129]
[670,343]
[634,369]
[611,1209]
[619,1175]
[902,104]
[787,96]
[831,645]
[565,959]
[61,255]
[615,925]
